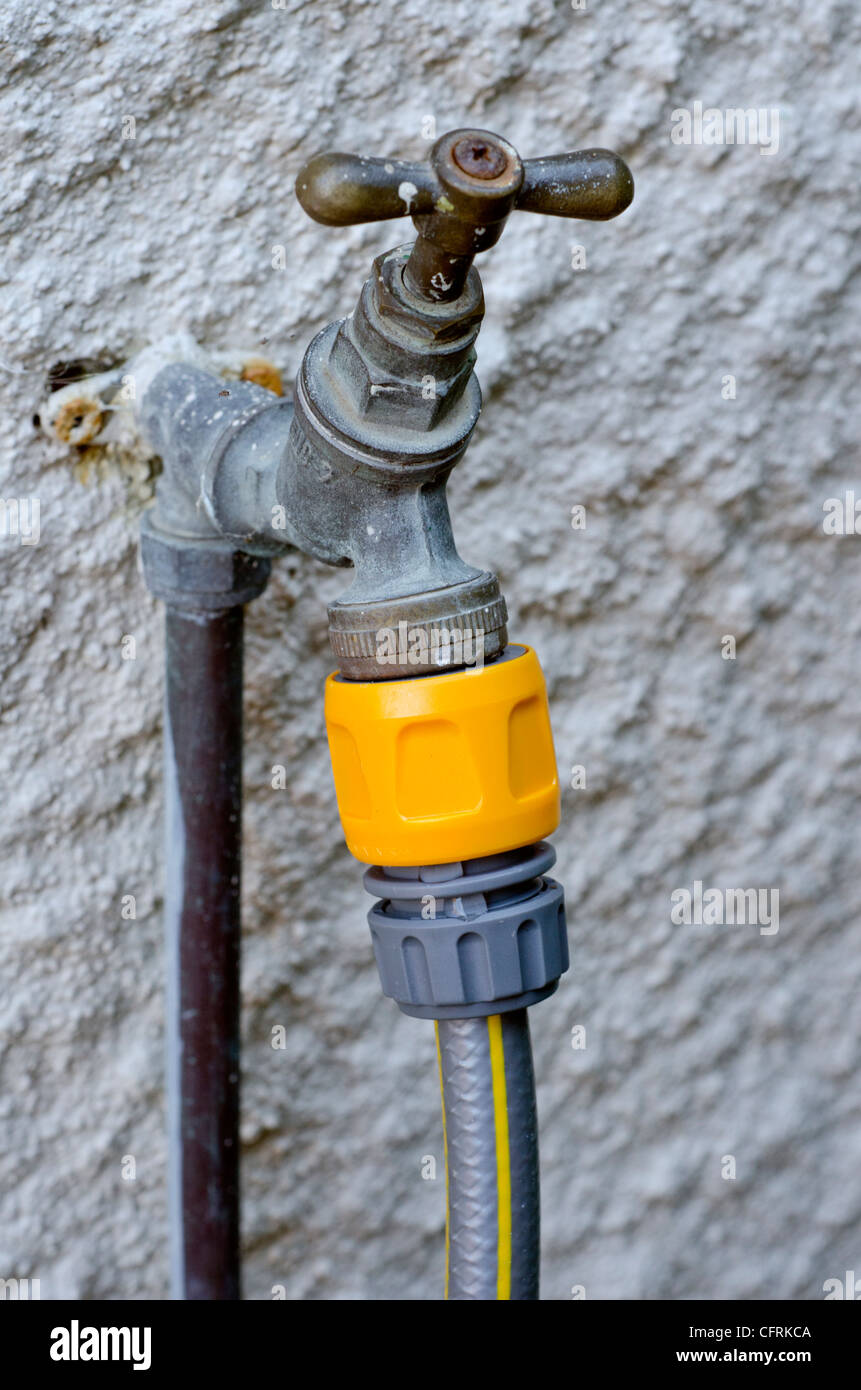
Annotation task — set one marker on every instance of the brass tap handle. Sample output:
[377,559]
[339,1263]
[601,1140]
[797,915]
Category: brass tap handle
[341,190]
[459,201]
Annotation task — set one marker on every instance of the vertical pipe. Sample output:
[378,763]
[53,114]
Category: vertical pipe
[203,776]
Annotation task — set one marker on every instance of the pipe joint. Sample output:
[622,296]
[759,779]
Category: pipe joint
[201,574]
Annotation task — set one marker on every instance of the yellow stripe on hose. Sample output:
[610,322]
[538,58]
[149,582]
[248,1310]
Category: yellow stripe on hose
[503,1158]
[445,1153]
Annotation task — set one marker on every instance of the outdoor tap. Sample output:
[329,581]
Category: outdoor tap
[388,398]
[354,470]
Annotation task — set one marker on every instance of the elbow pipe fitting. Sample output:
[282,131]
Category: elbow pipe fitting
[217,447]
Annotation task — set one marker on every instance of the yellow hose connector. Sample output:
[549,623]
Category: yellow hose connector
[443,768]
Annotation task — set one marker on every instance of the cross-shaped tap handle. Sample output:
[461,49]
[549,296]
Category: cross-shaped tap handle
[460,199]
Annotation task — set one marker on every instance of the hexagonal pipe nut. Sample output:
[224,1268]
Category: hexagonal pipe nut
[195,574]
[418,404]
[427,323]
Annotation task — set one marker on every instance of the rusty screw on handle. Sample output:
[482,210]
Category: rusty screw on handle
[459,201]
[479,158]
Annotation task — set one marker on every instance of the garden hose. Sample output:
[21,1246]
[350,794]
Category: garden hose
[491,1157]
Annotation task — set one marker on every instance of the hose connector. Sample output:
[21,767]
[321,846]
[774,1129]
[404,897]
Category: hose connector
[470,940]
[449,781]
[444,768]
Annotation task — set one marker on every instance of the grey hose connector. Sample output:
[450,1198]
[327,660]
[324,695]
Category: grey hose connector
[467,940]
[489,1118]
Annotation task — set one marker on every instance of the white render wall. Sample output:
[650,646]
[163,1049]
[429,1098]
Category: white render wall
[604,387]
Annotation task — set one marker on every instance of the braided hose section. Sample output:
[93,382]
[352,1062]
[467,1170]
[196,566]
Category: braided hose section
[491,1150]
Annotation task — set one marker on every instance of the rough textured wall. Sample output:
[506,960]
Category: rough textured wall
[604,387]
